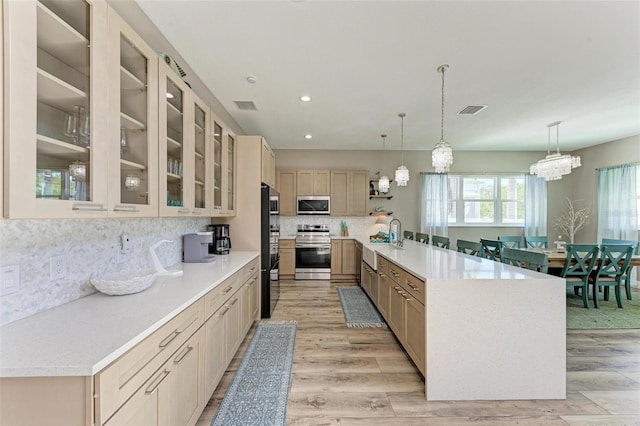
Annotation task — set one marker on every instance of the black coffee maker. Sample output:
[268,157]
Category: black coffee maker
[221,241]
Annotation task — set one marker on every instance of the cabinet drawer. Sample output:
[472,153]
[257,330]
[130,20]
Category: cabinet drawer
[383,265]
[415,286]
[396,273]
[288,244]
[250,269]
[219,295]
[117,382]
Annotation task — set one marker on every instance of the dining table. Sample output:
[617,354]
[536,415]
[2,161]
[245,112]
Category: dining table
[558,257]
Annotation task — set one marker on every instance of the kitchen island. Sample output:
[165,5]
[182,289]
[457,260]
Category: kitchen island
[491,331]
[145,358]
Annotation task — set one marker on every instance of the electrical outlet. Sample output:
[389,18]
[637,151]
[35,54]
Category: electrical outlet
[57,267]
[125,244]
[9,279]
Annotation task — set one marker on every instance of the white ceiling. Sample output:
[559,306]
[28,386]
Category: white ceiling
[363,62]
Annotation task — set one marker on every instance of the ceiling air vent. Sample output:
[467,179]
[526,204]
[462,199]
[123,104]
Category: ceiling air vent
[471,109]
[246,105]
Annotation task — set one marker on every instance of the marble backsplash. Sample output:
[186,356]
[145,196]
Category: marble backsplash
[357,225]
[89,246]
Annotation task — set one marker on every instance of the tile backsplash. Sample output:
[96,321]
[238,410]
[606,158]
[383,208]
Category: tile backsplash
[357,225]
[88,246]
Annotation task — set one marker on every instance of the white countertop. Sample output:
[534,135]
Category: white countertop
[430,262]
[82,337]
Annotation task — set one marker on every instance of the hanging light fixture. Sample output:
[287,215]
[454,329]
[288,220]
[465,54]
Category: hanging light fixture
[78,171]
[442,155]
[402,173]
[383,182]
[132,182]
[554,166]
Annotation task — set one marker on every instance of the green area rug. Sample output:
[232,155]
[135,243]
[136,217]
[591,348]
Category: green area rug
[607,316]
[357,308]
[259,391]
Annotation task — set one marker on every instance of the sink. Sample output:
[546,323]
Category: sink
[369,256]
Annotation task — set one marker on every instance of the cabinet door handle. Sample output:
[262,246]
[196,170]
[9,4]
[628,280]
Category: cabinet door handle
[182,355]
[155,385]
[184,211]
[227,290]
[407,298]
[253,268]
[92,207]
[234,302]
[221,314]
[129,209]
[169,339]
[383,275]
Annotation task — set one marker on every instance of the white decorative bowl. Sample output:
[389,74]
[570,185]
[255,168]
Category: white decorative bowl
[122,283]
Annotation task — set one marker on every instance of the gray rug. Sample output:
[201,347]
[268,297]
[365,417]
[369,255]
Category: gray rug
[358,309]
[259,391]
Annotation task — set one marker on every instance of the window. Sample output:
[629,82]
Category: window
[486,200]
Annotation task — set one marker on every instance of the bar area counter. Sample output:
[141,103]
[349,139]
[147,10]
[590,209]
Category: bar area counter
[491,331]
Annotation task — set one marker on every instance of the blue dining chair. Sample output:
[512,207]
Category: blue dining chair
[536,242]
[422,238]
[580,261]
[469,247]
[614,262]
[627,279]
[510,241]
[491,249]
[442,242]
[525,259]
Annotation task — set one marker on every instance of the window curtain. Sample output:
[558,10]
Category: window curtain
[617,209]
[433,204]
[535,206]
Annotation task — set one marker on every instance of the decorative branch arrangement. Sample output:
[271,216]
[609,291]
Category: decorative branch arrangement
[573,220]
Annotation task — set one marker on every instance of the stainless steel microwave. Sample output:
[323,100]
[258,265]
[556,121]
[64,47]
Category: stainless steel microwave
[313,204]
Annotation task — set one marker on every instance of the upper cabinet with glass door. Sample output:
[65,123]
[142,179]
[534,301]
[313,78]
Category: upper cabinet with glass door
[133,128]
[216,168]
[229,200]
[56,115]
[223,170]
[200,164]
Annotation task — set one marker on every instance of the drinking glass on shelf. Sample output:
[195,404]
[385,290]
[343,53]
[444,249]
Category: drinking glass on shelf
[71,125]
[85,127]
[124,144]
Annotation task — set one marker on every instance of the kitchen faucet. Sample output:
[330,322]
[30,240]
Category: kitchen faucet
[399,239]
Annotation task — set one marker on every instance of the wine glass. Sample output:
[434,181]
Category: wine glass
[124,144]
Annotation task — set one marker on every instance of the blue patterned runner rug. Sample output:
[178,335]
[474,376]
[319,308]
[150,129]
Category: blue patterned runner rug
[259,391]
[358,309]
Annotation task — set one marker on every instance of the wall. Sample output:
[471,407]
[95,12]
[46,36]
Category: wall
[89,246]
[406,200]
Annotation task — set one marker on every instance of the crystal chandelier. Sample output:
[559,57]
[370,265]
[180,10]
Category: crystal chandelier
[554,166]
[383,182]
[442,155]
[402,173]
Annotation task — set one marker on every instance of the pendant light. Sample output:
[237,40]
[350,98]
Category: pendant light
[383,182]
[554,166]
[402,173]
[442,155]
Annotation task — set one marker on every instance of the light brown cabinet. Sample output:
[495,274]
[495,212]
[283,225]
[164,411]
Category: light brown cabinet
[223,169]
[401,301]
[313,182]
[343,259]
[268,165]
[370,282]
[287,258]
[286,183]
[349,192]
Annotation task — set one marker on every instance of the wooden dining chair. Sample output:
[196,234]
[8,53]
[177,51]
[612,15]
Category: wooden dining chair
[468,247]
[580,261]
[510,241]
[614,262]
[627,275]
[422,238]
[442,242]
[491,249]
[536,242]
[408,235]
[525,259]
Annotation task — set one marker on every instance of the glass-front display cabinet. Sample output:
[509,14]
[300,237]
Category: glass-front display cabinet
[201,194]
[230,169]
[133,136]
[216,166]
[56,117]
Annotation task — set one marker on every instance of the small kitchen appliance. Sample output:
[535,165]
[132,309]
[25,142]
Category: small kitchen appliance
[221,241]
[195,247]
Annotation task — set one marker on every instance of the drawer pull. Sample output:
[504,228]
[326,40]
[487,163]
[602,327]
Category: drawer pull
[89,207]
[169,339]
[152,388]
[406,298]
[234,302]
[130,209]
[228,289]
[253,268]
[184,354]
[383,275]
[184,211]
[221,314]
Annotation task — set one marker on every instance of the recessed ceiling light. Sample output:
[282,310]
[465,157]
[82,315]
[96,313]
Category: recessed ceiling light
[251,79]
[169,95]
[308,136]
[305,98]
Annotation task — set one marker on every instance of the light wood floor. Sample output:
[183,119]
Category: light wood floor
[361,376]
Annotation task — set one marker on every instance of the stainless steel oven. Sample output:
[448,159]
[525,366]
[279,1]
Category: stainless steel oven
[313,253]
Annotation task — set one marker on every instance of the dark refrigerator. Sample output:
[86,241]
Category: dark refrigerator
[269,254]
